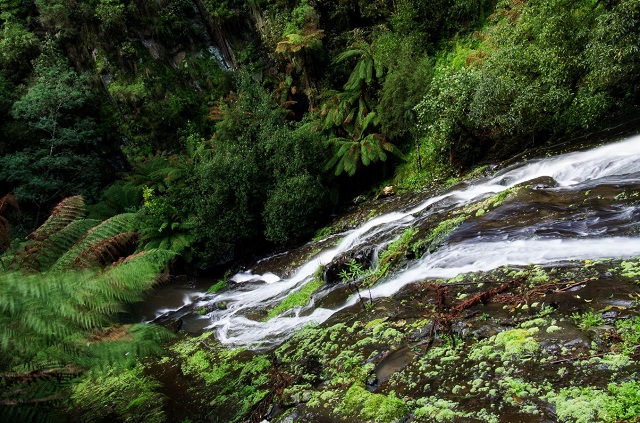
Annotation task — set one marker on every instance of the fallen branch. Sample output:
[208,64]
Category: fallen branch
[573,285]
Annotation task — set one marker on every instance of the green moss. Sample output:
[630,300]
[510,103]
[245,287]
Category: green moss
[517,342]
[629,331]
[630,269]
[217,287]
[439,410]
[297,298]
[322,233]
[394,251]
[438,235]
[489,203]
[373,407]
[234,380]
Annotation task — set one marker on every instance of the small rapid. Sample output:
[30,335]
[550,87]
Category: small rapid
[550,233]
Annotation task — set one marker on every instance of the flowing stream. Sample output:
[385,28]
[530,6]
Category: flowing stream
[551,222]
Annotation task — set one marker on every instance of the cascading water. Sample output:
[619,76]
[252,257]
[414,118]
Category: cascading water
[579,234]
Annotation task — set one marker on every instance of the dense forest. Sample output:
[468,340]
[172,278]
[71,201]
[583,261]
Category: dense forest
[142,138]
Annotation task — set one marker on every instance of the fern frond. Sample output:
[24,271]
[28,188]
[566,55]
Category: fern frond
[68,210]
[106,251]
[369,119]
[116,225]
[40,255]
[347,54]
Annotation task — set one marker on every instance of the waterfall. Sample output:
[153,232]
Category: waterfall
[579,235]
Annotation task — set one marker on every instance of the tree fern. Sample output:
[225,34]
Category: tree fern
[94,242]
[106,251]
[366,67]
[55,319]
[350,154]
[40,254]
[67,211]
[293,43]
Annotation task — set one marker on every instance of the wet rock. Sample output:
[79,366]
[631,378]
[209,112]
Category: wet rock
[602,334]
[177,59]
[544,182]
[392,363]
[462,329]
[206,309]
[556,338]
[175,325]
[372,382]
[484,331]
[362,257]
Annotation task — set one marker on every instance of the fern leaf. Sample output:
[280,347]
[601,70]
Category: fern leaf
[118,224]
[68,210]
[106,251]
[369,119]
[348,54]
[40,255]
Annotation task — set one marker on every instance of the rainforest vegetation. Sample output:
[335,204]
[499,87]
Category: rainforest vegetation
[143,138]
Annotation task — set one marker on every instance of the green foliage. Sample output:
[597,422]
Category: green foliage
[366,68]
[162,226]
[17,45]
[292,206]
[5,229]
[612,52]
[298,298]
[112,14]
[350,118]
[629,330]
[121,393]
[353,271]
[587,320]
[61,160]
[351,155]
[119,197]
[260,177]
[444,112]
[408,76]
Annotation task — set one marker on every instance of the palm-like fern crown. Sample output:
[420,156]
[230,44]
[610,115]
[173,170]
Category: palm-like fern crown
[349,115]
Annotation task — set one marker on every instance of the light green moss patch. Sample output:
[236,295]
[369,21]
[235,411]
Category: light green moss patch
[630,269]
[217,287]
[372,407]
[518,342]
[297,298]
[439,410]
[438,235]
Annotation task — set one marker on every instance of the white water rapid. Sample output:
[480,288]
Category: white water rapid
[538,242]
